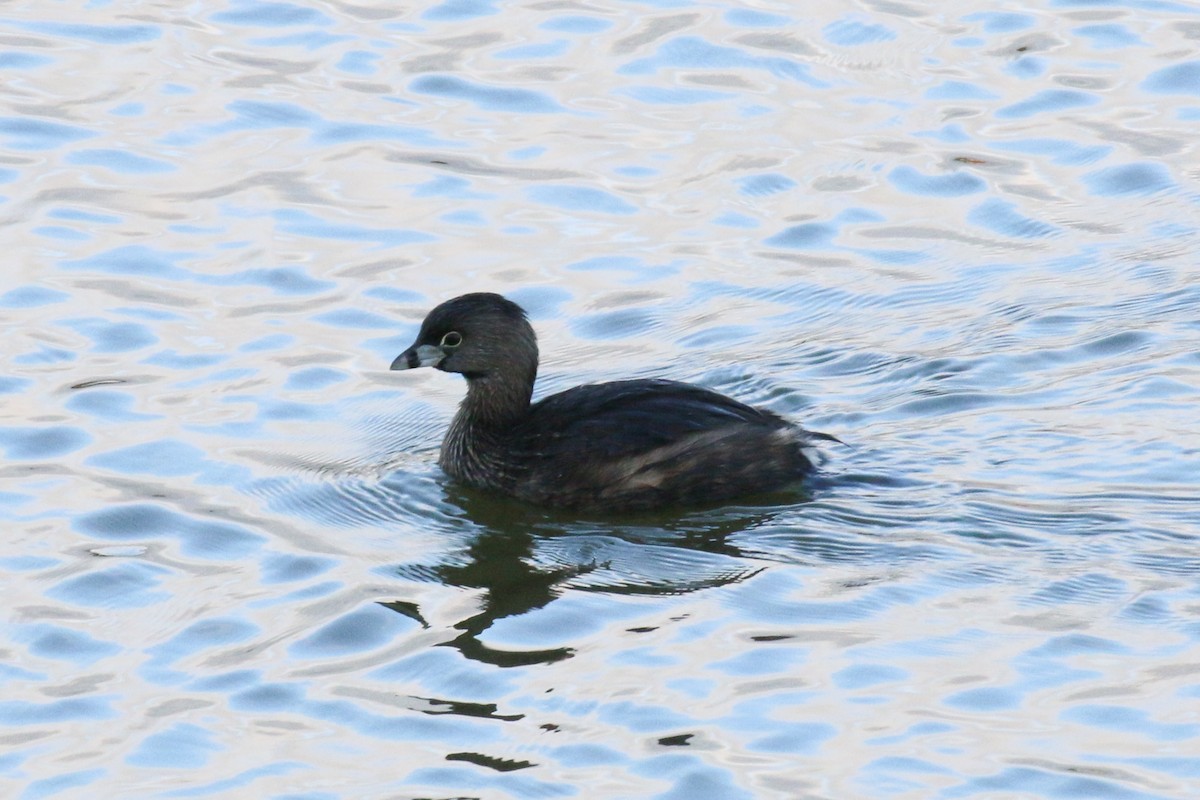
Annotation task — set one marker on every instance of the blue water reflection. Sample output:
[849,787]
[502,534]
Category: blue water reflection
[954,184]
[270,14]
[141,521]
[120,161]
[196,638]
[691,52]
[455,10]
[553,49]
[1001,217]
[1002,21]
[1060,151]
[14,60]
[1048,101]
[959,90]
[31,297]
[1126,179]
[264,115]
[182,746]
[113,337]
[490,98]
[305,224]
[854,32]
[576,23]
[18,713]
[1176,79]
[580,198]
[119,586]
[94,34]
[51,441]
[57,642]
[25,133]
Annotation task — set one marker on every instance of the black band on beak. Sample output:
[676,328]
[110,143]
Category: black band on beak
[407,360]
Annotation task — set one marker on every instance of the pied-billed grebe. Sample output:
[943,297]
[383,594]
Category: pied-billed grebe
[621,446]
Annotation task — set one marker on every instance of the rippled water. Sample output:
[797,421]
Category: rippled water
[963,238]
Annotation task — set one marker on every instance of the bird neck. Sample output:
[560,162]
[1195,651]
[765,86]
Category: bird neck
[495,401]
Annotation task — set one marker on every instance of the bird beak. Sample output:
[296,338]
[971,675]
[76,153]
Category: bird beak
[426,355]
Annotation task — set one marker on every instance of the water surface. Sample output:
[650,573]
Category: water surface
[962,240]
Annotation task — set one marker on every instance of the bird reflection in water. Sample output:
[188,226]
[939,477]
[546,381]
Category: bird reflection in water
[522,558]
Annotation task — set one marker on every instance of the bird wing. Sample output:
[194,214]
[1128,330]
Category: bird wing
[609,421]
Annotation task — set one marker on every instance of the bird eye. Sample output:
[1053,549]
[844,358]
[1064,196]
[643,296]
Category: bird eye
[452,339]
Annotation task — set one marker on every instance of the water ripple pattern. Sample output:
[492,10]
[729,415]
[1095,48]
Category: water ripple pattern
[961,237]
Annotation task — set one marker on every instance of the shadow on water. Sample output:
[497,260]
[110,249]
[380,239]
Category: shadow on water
[523,558]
